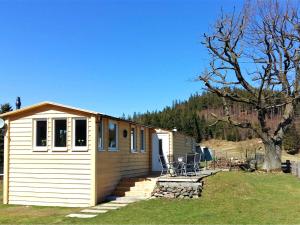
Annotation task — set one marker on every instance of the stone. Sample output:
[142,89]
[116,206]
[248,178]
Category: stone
[113,204]
[83,216]
[180,190]
[106,207]
[93,211]
[159,195]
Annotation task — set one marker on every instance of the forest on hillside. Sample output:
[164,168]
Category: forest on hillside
[194,117]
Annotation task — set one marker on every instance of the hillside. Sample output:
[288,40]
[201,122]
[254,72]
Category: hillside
[193,117]
[233,149]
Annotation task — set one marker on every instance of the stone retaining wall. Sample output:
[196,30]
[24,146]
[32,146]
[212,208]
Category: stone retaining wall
[178,190]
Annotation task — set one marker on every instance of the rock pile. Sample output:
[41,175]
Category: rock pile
[177,190]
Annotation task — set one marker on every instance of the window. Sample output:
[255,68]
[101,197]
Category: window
[100,136]
[112,136]
[186,141]
[142,136]
[60,133]
[193,145]
[132,140]
[40,134]
[80,134]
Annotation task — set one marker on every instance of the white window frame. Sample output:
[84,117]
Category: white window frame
[193,145]
[111,149]
[143,150]
[63,149]
[79,148]
[100,147]
[133,148]
[39,148]
[186,141]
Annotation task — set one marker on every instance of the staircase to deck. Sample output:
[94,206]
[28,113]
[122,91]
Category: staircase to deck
[135,187]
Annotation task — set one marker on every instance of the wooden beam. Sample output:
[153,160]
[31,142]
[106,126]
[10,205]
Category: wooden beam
[93,150]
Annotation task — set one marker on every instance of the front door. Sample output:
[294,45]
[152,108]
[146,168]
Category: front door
[160,146]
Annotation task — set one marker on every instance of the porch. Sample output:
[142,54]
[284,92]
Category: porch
[192,179]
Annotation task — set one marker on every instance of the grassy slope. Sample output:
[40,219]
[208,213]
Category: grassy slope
[233,197]
[238,149]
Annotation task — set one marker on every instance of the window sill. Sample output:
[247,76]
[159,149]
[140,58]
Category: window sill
[101,150]
[63,149]
[143,151]
[134,151]
[36,149]
[113,149]
[78,149]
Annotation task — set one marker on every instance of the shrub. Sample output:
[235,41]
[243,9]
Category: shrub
[291,140]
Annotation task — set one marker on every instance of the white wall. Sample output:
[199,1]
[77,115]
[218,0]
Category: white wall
[166,147]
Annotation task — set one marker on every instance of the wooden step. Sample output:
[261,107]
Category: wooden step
[122,192]
[134,183]
[140,186]
[135,187]
[137,194]
[119,193]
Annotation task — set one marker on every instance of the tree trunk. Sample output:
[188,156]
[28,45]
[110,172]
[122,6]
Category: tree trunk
[272,156]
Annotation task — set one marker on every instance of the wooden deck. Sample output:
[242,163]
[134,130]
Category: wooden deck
[193,179]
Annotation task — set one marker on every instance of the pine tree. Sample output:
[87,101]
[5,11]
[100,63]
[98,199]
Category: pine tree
[192,117]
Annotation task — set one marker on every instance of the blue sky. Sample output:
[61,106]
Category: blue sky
[109,56]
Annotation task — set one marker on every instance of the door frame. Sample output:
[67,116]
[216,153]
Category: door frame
[165,137]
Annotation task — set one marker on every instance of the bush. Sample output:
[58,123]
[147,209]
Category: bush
[291,140]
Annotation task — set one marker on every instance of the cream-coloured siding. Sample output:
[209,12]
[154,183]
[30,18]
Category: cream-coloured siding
[66,176]
[182,144]
[112,166]
[49,178]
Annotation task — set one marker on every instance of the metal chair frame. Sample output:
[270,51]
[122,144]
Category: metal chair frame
[167,168]
[192,165]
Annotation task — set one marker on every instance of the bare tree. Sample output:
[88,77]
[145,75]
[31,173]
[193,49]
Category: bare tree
[257,50]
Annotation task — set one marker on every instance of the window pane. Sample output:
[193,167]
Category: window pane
[60,133]
[112,140]
[132,138]
[142,140]
[80,132]
[100,135]
[41,133]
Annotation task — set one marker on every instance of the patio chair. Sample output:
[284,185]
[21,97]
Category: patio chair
[166,168]
[192,165]
[180,165]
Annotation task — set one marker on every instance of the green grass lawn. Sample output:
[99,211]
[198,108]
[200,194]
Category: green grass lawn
[228,197]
